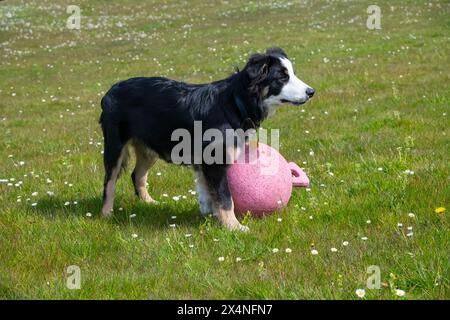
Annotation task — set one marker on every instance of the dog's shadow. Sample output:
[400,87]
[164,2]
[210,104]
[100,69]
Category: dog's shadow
[158,215]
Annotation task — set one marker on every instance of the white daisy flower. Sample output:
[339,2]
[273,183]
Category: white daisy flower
[345,243]
[314,252]
[221,259]
[288,250]
[400,292]
[334,250]
[134,235]
[275,250]
[411,215]
[360,293]
[238,259]
[88,214]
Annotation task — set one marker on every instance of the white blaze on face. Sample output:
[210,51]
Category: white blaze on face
[293,91]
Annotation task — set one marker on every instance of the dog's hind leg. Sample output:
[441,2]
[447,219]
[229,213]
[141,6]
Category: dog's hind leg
[145,158]
[114,158]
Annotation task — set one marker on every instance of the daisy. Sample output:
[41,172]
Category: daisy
[221,259]
[334,250]
[238,259]
[360,293]
[275,250]
[314,252]
[134,235]
[88,214]
[288,250]
[411,215]
[345,243]
[400,292]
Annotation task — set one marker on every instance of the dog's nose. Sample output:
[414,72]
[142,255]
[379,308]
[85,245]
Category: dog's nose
[310,92]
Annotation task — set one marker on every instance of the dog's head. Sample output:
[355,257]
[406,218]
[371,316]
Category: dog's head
[272,79]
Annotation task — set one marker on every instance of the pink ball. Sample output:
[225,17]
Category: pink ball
[264,183]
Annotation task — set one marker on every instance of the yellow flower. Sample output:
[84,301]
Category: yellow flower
[439,210]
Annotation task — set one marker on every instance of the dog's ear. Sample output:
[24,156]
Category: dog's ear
[276,52]
[257,69]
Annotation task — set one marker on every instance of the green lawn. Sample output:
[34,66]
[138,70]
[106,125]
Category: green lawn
[374,142]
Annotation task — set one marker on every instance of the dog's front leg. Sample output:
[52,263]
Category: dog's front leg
[222,204]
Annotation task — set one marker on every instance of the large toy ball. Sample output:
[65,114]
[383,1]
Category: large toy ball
[263,182]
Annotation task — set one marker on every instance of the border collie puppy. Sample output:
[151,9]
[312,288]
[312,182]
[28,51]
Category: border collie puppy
[144,112]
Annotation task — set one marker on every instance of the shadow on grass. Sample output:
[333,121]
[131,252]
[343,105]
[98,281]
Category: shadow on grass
[158,215]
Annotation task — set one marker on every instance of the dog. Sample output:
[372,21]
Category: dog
[145,111]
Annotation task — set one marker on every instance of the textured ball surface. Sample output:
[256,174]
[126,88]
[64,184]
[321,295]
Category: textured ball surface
[263,185]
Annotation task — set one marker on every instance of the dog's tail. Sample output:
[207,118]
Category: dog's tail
[114,141]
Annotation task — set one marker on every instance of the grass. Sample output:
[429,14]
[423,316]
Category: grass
[382,108]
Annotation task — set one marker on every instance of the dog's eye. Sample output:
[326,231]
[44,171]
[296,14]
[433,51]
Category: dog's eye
[285,75]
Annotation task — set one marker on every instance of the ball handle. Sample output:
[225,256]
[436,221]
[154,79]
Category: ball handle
[299,177]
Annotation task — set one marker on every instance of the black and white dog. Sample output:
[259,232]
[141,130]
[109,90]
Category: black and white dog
[145,111]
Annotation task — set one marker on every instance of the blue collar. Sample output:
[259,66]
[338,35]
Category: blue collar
[247,122]
[241,107]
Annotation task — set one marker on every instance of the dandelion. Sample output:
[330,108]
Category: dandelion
[314,252]
[400,292]
[439,210]
[221,259]
[360,293]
